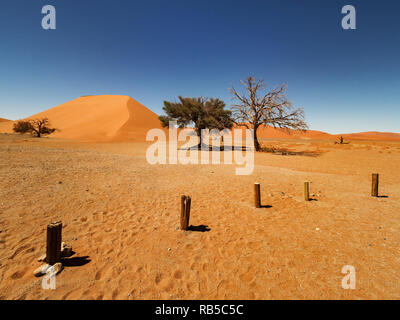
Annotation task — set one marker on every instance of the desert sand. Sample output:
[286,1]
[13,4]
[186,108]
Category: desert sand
[121,215]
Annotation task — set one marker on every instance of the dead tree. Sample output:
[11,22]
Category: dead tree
[257,107]
[41,127]
[36,127]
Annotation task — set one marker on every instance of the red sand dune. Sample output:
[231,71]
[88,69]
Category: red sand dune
[99,118]
[121,118]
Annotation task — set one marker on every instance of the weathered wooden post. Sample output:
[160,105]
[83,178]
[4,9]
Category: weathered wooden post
[375,185]
[307,190]
[257,195]
[53,249]
[185,212]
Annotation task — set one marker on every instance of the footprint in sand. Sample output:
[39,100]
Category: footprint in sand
[192,288]
[168,285]
[104,272]
[115,294]
[29,250]
[19,274]
[18,250]
[95,216]
[178,274]
[247,277]
[206,267]
[98,275]
[158,278]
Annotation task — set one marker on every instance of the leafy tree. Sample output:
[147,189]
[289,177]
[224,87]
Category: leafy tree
[258,107]
[22,127]
[200,112]
[37,127]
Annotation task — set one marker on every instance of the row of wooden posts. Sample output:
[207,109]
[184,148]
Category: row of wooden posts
[186,200]
[54,230]
[257,189]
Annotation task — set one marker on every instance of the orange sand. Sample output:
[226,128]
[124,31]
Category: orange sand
[121,214]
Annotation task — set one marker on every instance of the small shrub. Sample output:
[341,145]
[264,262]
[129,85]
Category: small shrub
[22,127]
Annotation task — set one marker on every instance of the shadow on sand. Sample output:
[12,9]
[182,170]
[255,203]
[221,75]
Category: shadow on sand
[206,147]
[276,151]
[75,261]
[200,228]
[287,152]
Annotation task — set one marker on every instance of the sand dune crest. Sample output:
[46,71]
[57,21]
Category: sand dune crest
[98,118]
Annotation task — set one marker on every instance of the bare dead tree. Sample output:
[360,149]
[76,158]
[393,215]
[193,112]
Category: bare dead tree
[36,127]
[41,127]
[258,107]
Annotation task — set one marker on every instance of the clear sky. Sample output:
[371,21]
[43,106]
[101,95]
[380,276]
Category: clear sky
[346,80]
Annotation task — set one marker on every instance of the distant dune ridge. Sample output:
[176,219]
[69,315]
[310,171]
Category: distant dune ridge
[269,132]
[373,135]
[120,118]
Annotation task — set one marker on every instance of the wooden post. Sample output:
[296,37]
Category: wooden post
[185,212]
[307,191]
[187,215]
[375,185]
[257,195]
[53,250]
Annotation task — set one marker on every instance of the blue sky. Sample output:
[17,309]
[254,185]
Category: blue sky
[346,80]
